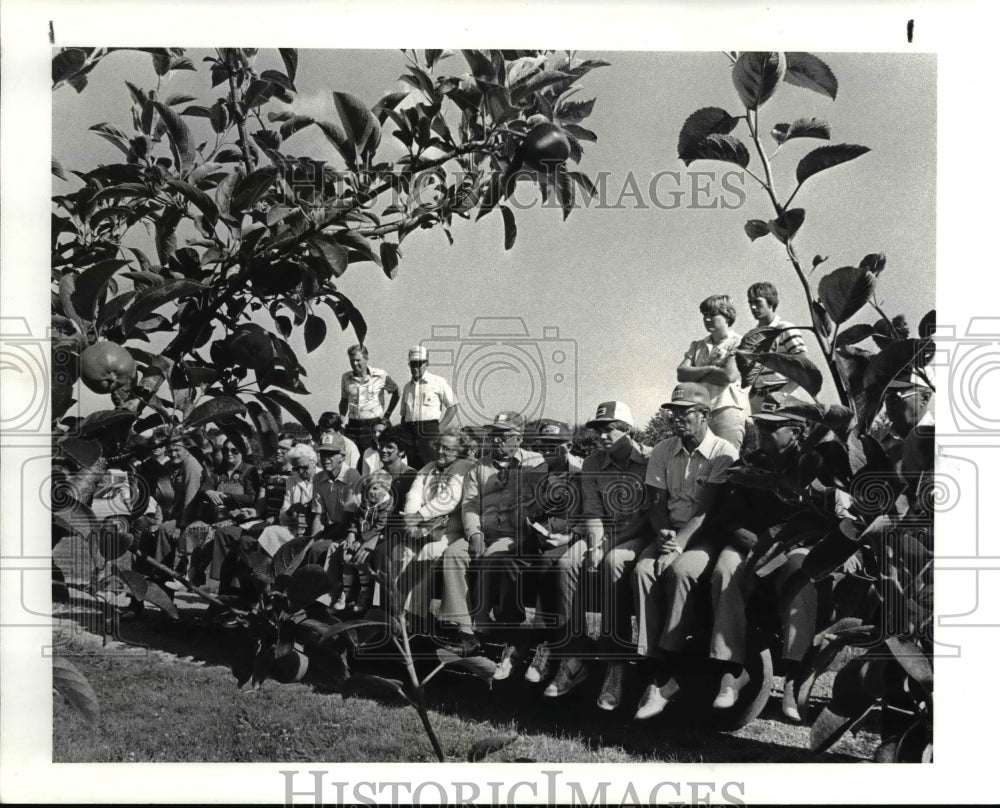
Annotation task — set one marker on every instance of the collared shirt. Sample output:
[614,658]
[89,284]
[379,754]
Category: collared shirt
[789,341]
[436,495]
[366,397]
[705,352]
[427,399]
[494,500]
[684,475]
[297,504]
[611,493]
[334,500]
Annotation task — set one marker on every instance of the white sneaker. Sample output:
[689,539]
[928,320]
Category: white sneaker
[729,690]
[341,603]
[506,663]
[654,699]
[566,678]
[539,667]
[789,706]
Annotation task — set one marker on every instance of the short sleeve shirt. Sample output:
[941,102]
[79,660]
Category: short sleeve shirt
[366,397]
[684,475]
[610,493]
[704,352]
[427,399]
[789,341]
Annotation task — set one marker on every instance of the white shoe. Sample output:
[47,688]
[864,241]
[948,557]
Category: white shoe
[539,667]
[729,690]
[341,603]
[789,707]
[654,699]
[506,663]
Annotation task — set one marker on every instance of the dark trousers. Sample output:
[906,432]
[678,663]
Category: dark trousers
[359,430]
[422,435]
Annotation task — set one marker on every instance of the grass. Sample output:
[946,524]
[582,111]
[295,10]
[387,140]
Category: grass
[178,701]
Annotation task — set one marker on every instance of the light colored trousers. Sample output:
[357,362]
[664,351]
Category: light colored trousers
[496,582]
[729,423]
[733,582]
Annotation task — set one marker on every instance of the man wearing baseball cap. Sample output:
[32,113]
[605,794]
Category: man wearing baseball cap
[745,516]
[615,528]
[683,479]
[429,405]
[495,495]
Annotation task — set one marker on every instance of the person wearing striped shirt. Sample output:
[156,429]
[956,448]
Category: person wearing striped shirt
[762,298]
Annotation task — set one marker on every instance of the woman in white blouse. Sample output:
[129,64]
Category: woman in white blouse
[711,362]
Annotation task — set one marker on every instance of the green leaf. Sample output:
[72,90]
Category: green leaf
[215,409]
[830,727]
[72,685]
[149,300]
[292,407]
[156,595]
[174,100]
[509,227]
[913,660]
[198,198]
[179,136]
[113,135]
[219,116]
[797,367]
[810,72]
[92,284]
[874,263]
[135,582]
[290,58]
[290,555]
[480,63]
[334,254]
[315,332]
[360,125]
[845,291]
[756,76]
[894,359]
[699,125]
[827,157]
[57,169]
[84,452]
[575,110]
[340,140]
[480,666]
[928,325]
[67,62]
[389,254]
[803,127]
[718,147]
[252,187]
[293,125]
[756,228]
[854,334]
[785,226]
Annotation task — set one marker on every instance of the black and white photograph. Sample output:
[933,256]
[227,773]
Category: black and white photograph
[450,407]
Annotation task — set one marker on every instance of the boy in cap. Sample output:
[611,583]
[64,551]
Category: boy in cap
[429,405]
[495,494]
[615,530]
[683,480]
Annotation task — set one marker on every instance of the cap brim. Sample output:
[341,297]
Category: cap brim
[598,422]
[679,405]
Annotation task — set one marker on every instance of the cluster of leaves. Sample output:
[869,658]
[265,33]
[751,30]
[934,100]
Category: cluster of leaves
[883,603]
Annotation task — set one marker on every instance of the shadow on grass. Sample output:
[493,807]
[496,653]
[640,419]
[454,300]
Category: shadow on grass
[513,703]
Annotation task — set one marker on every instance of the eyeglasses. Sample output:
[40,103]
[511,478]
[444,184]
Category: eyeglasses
[442,449]
[306,467]
[230,451]
[417,364]
[896,394]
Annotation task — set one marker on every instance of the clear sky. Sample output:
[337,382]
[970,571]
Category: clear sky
[620,283]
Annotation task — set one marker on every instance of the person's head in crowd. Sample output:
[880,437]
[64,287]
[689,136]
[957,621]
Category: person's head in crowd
[718,313]
[552,440]
[782,423]
[331,450]
[301,459]
[505,434]
[393,447]
[232,455]
[690,407]
[378,429]
[907,400]
[182,448]
[417,360]
[285,443]
[330,422]
[471,445]
[376,489]
[447,447]
[159,442]
[614,425]
[762,298]
[358,357]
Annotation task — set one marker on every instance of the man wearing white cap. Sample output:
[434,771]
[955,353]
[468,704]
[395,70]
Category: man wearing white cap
[429,405]
[615,531]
